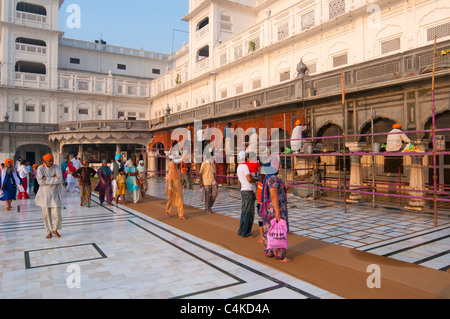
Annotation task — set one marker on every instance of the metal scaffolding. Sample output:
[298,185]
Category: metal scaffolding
[435,193]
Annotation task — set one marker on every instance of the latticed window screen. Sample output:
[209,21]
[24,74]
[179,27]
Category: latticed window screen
[312,68]
[379,70]
[284,76]
[336,8]
[440,31]
[256,84]
[238,52]
[283,31]
[340,60]
[308,20]
[223,93]
[390,45]
[223,59]
[239,88]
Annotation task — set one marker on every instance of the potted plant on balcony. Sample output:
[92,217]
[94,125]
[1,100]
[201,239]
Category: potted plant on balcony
[251,46]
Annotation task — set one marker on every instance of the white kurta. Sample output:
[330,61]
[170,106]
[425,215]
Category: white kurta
[297,134]
[50,188]
[395,141]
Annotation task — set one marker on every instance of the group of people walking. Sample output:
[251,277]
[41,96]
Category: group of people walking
[120,180]
[123,180]
[117,181]
[259,183]
[262,185]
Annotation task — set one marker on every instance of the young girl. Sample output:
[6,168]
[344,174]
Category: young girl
[258,205]
[121,181]
[35,182]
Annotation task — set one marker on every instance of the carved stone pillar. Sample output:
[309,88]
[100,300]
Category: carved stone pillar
[417,180]
[152,163]
[356,180]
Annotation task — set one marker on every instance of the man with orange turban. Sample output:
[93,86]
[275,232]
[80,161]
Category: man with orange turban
[396,141]
[297,135]
[49,197]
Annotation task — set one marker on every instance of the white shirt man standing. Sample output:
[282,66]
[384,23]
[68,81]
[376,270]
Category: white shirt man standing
[297,135]
[49,197]
[248,197]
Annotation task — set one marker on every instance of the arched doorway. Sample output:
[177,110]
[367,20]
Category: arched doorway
[160,159]
[380,125]
[442,161]
[283,139]
[33,153]
[332,144]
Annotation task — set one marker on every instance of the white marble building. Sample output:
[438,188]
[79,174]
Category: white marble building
[241,65]
[50,83]
[241,46]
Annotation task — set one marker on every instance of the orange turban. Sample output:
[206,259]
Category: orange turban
[298,123]
[47,157]
[9,161]
[397,126]
[35,166]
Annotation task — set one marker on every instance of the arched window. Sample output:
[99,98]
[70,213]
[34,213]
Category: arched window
[203,23]
[30,67]
[31,41]
[203,53]
[31,8]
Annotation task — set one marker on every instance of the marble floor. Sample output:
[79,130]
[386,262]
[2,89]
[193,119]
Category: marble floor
[401,235]
[115,252]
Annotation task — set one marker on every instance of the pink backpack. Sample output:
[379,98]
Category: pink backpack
[277,235]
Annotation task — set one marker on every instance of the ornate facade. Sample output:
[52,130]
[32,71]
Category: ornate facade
[54,90]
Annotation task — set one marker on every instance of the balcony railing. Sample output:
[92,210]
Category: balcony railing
[30,48]
[113,125]
[31,80]
[203,31]
[202,64]
[30,17]
[110,85]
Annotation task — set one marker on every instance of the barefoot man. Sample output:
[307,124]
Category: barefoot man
[49,197]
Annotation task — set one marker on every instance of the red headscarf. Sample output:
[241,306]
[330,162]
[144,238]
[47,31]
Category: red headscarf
[71,168]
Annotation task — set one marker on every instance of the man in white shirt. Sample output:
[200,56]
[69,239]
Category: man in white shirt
[297,134]
[395,142]
[49,197]
[76,162]
[248,197]
[24,174]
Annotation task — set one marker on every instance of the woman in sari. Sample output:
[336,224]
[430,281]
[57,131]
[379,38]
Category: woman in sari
[143,185]
[104,187]
[64,166]
[132,181]
[273,204]
[85,174]
[174,191]
[10,182]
